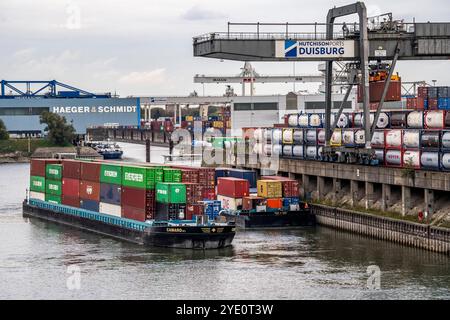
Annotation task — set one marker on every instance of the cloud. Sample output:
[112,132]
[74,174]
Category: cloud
[199,13]
[153,77]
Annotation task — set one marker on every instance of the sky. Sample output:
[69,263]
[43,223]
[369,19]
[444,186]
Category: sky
[144,47]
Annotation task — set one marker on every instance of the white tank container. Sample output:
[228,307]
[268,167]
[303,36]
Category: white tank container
[430,160]
[258,134]
[411,138]
[287,151]
[276,136]
[378,139]
[434,119]
[414,120]
[393,157]
[336,138]
[288,136]
[293,120]
[311,152]
[357,120]
[303,120]
[343,122]
[311,136]
[394,138]
[383,120]
[379,154]
[298,151]
[258,148]
[348,137]
[315,120]
[298,136]
[446,139]
[321,136]
[360,137]
[411,158]
[320,152]
[268,135]
[277,149]
[267,149]
[445,161]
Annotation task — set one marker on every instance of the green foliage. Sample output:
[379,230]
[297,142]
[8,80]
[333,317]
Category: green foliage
[21,145]
[59,131]
[4,135]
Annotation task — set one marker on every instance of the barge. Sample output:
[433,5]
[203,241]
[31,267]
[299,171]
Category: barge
[186,234]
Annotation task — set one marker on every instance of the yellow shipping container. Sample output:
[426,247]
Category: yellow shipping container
[269,189]
[189,118]
[218,124]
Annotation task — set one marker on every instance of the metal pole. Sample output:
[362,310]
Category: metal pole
[147,150]
[257,29]
[383,96]
[341,108]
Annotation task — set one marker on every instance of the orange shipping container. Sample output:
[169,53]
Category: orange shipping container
[90,190]
[275,203]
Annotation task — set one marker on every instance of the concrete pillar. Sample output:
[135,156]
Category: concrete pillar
[337,187]
[305,186]
[355,192]
[386,197]
[406,200]
[291,175]
[429,201]
[370,195]
[320,187]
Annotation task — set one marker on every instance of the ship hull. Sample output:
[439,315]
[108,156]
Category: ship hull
[287,219]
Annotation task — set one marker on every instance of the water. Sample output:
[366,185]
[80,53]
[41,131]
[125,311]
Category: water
[318,263]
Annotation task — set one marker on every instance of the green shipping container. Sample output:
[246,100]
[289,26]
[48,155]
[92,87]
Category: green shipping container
[111,174]
[170,192]
[53,187]
[53,171]
[138,177]
[53,198]
[37,184]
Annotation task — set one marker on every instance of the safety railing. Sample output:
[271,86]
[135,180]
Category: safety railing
[91,215]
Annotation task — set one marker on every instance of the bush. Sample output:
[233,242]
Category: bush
[4,135]
[59,131]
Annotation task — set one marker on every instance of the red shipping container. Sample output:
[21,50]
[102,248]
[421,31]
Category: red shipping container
[70,201]
[189,176]
[139,198]
[394,92]
[132,213]
[90,190]
[249,203]
[71,187]
[193,192]
[71,169]
[37,166]
[422,92]
[194,210]
[432,104]
[208,193]
[275,203]
[90,171]
[233,187]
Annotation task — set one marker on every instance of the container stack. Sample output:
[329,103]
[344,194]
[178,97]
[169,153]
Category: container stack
[71,183]
[38,183]
[231,191]
[111,189]
[90,186]
[170,201]
[272,191]
[53,183]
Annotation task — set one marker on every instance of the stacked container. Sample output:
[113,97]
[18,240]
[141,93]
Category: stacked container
[38,185]
[90,186]
[53,183]
[170,201]
[111,189]
[231,191]
[71,183]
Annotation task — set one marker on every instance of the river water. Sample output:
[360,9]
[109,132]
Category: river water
[37,260]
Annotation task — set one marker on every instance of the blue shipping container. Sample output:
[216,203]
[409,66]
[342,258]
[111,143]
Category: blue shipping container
[91,205]
[110,193]
[288,201]
[244,174]
[443,103]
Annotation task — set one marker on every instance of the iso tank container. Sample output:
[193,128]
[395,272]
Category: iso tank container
[434,119]
[414,120]
[311,137]
[445,161]
[313,152]
[431,140]
[399,119]
[298,152]
[303,120]
[445,141]
[411,139]
[353,137]
[393,138]
[71,169]
[321,137]
[277,136]
[315,120]
[287,151]
[277,149]
[288,136]
[344,120]
[430,160]
[293,120]
[383,120]
[379,155]
[336,138]
[267,149]
[90,171]
[38,166]
[378,139]
[298,136]
[393,158]
[267,134]
[411,159]
[258,134]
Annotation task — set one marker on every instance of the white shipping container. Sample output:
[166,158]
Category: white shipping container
[434,119]
[445,162]
[378,139]
[229,203]
[430,160]
[393,157]
[411,139]
[321,136]
[37,195]
[414,120]
[276,135]
[315,120]
[111,209]
[293,120]
[298,136]
[411,158]
[303,121]
[446,139]
[277,149]
[298,151]
[394,138]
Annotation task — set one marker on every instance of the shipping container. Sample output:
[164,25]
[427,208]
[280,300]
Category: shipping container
[172,175]
[90,205]
[70,201]
[140,177]
[170,192]
[249,175]
[132,213]
[414,120]
[411,159]
[90,190]
[445,161]
[170,211]
[399,119]
[312,152]
[193,210]
[250,203]
[277,149]
[288,136]
[321,137]
[37,184]
[430,139]
[37,166]
[422,92]
[430,160]
[110,193]
[71,169]
[311,137]
[445,140]
[53,187]
[393,138]
[353,137]
[233,187]
[303,120]
[434,119]
[230,203]
[111,174]
[277,136]
[379,155]
[274,203]
[292,120]
[71,187]
[90,171]
[37,195]
[315,120]
[378,139]
[138,198]
[51,198]
[111,209]
[411,139]
[394,92]
[393,158]
[298,137]
[269,189]
[53,171]
[194,193]
[298,152]
[287,151]
[336,138]
[290,186]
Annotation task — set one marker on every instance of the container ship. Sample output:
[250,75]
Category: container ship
[148,204]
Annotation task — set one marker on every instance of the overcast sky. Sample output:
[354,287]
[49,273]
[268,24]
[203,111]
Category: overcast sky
[144,47]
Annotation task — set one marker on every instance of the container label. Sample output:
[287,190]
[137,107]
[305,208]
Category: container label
[112,174]
[134,177]
[53,187]
[37,183]
[162,191]
[54,172]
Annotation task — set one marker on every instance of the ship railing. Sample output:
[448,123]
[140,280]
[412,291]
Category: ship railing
[91,215]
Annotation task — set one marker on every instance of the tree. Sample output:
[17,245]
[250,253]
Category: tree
[59,131]
[4,135]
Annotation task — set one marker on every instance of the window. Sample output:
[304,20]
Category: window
[242,106]
[22,111]
[321,105]
[265,106]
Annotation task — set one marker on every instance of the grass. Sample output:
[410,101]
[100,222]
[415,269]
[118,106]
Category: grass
[21,145]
